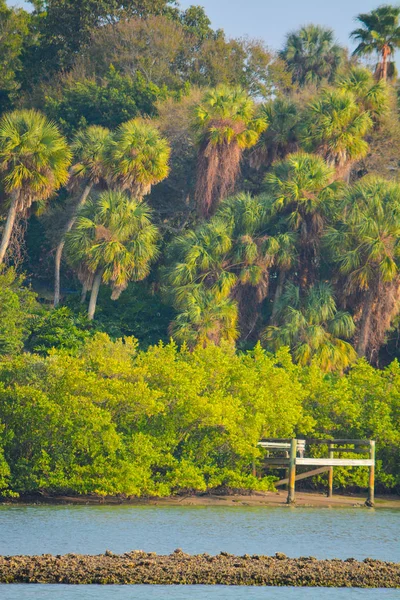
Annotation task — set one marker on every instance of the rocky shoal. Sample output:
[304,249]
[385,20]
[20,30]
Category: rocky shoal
[183,569]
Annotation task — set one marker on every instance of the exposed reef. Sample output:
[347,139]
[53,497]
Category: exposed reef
[183,569]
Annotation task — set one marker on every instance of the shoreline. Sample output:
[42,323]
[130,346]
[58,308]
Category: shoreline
[257,499]
[138,568]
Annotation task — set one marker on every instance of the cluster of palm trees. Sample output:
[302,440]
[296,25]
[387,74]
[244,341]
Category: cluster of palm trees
[313,56]
[108,234]
[311,261]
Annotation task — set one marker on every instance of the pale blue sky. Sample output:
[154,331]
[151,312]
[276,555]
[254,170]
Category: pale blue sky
[270,20]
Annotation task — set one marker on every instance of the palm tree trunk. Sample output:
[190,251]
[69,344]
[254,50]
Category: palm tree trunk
[8,227]
[84,293]
[93,296]
[278,294]
[365,324]
[385,56]
[60,247]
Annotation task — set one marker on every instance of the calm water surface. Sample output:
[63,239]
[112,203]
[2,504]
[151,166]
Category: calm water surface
[319,532]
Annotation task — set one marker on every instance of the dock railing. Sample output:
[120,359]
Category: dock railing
[290,453]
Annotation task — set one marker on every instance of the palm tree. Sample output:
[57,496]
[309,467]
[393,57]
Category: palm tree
[312,55]
[205,317]
[34,160]
[366,247]
[281,136]
[115,241]
[137,157]
[226,124]
[379,34]
[313,328]
[334,126]
[89,170]
[301,190]
[370,95]
[231,256]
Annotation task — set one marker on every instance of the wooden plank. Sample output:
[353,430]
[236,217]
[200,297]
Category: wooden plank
[335,442]
[303,476]
[352,450]
[288,440]
[274,445]
[335,462]
[283,462]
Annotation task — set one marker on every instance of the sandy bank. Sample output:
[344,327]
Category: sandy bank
[256,499]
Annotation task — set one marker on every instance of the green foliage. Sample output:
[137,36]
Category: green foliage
[64,27]
[59,328]
[34,156]
[150,94]
[226,123]
[335,126]
[13,31]
[370,95]
[17,309]
[365,247]
[118,421]
[110,101]
[365,405]
[312,55]
[114,420]
[137,157]
[139,313]
[114,236]
[313,328]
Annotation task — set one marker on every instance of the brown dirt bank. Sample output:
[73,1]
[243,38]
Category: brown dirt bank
[183,569]
[256,499]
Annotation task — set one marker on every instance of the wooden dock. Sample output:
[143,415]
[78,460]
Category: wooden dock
[290,453]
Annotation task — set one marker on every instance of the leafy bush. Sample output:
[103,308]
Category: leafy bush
[111,419]
[17,307]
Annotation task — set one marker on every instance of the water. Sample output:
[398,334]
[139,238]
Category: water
[201,592]
[320,532]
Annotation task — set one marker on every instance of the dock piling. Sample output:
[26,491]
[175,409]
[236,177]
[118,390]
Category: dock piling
[292,472]
[330,474]
[371,488]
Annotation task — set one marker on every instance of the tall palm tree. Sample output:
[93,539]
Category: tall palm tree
[334,126]
[312,55]
[301,191]
[89,170]
[226,124]
[370,95]
[34,161]
[313,328]
[379,34]
[366,246]
[281,136]
[137,157]
[115,240]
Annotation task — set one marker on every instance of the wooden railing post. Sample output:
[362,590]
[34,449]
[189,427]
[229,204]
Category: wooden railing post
[371,488]
[330,474]
[292,472]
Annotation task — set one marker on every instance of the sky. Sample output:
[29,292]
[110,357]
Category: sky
[270,20]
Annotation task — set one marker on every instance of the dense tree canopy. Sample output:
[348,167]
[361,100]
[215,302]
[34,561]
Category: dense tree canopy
[208,192]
